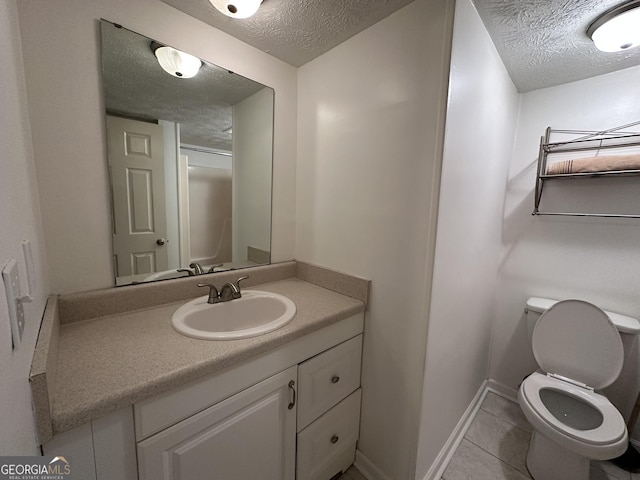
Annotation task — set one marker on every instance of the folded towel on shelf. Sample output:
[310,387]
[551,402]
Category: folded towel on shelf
[595,164]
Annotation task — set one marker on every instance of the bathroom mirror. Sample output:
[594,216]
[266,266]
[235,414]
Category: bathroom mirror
[189,160]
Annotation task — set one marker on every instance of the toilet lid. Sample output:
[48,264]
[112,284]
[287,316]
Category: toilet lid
[577,340]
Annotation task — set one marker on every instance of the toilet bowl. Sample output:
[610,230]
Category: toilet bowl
[579,351]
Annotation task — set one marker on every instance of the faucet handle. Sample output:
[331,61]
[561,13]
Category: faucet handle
[214,296]
[212,269]
[237,284]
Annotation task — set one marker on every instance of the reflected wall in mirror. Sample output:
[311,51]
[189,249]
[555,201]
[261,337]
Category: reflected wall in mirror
[190,163]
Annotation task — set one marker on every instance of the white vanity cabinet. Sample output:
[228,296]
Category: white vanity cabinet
[252,434]
[249,435]
[291,413]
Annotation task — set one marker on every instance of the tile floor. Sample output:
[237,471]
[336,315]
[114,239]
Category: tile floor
[495,448]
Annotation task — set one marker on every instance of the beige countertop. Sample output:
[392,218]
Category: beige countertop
[107,363]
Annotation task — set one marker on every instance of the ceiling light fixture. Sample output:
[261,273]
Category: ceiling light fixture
[617,29]
[176,62]
[237,8]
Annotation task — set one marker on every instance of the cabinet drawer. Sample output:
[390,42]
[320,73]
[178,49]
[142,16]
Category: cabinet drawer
[326,379]
[328,445]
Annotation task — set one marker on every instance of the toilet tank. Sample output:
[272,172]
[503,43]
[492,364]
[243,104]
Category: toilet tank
[536,306]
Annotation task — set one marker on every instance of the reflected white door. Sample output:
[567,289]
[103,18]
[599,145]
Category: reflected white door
[136,169]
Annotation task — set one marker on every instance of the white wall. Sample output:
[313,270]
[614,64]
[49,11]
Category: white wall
[370,117]
[252,151]
[594,259]
[62,63]
[20,219]
[480,126]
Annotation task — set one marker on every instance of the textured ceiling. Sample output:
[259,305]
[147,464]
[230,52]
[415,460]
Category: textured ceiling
[295,31]
[544,42]
[136,86]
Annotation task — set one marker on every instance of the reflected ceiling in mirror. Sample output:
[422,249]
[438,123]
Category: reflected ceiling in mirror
[190,164]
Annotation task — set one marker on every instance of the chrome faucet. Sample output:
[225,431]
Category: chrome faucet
[229,291]
[196,268]
[214,296]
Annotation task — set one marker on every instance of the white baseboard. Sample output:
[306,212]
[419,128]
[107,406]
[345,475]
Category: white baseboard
[503,390]
[442,460]
[367,468]
[371,472]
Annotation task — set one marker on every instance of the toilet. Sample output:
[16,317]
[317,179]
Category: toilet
[579,351]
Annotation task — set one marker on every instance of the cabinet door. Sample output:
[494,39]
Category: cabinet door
[251,435]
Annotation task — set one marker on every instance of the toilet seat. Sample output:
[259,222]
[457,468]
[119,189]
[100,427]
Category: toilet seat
[576,343]
[606,441]
[577,340]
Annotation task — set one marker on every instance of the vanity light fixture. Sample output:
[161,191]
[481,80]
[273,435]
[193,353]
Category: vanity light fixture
[237,8]
[617,29]
[176,62]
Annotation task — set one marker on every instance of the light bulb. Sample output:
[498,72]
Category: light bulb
[237,8]
[177,63]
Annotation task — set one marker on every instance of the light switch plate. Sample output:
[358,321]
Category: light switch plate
[12,289]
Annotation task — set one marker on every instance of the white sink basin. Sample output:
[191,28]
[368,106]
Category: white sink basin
[254,314]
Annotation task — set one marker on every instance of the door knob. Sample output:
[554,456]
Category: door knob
[161,241]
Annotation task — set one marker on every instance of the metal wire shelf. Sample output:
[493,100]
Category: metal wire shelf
[583,141]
